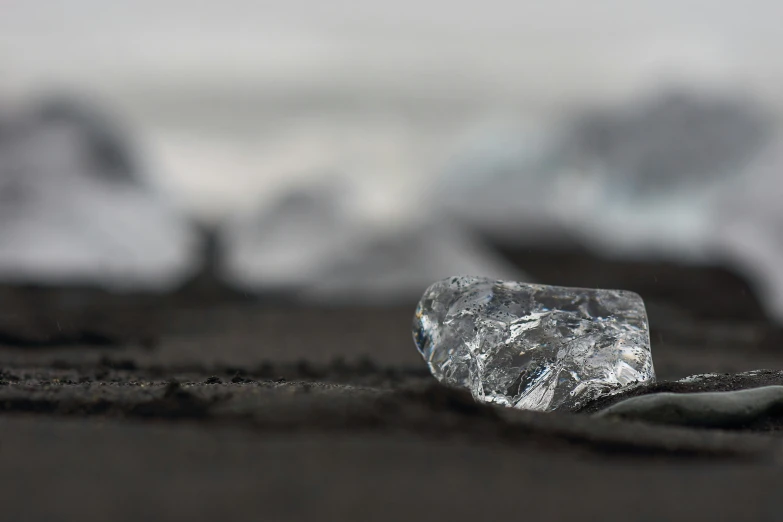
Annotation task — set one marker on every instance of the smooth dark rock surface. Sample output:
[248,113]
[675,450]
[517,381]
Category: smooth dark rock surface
[726,409]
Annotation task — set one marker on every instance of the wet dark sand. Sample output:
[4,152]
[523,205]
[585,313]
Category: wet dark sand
[141,408]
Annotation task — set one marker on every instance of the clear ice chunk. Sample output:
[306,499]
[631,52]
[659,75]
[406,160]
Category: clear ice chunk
[530,346]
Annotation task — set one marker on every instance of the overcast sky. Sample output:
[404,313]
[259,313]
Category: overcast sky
[165,42]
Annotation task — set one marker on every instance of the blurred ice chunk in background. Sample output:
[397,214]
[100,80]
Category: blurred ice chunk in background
[662,164]
[314,247]
[75,208]
[641,178]
[748,226]
[354,150]
[284,245]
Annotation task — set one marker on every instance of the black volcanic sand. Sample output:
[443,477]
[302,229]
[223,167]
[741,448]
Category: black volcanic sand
[140,408]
